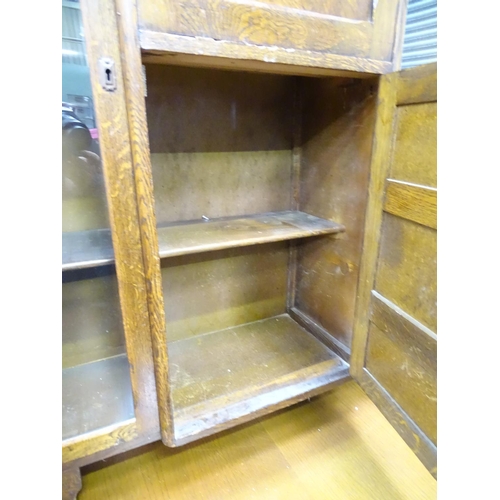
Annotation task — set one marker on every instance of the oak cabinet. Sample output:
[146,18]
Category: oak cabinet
[272,230]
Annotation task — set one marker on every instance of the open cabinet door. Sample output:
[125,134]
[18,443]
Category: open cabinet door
[394,343]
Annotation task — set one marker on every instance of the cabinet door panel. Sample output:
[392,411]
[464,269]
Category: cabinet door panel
[109,397]
[395,341]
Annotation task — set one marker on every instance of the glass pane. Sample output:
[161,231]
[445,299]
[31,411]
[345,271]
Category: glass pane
[96,374]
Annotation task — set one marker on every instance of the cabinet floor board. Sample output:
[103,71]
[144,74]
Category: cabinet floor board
[231,373]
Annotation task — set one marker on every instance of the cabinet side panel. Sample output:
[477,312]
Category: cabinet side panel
[337,134]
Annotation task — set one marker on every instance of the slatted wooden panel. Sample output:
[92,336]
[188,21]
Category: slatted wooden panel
[394,348]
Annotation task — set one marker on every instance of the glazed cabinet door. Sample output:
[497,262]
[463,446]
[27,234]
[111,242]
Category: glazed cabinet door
[356,35]
[108,391]
[394,346]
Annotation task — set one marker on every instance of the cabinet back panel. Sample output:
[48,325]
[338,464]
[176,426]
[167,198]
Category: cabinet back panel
[220,142]
[337,134]
[216,290]
[189,185]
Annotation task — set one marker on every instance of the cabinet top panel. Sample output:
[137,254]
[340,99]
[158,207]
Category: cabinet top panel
[360,36]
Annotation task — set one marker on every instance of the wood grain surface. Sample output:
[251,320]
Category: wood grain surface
[259,367]
[337,131]
[386,101]
[414,158]
[394,353]
[164,48]
[232,232]
[407,268]
[418,84]
[102,40]
[336,446]
[217,290]
[135,90]
[352,30]
[415,203]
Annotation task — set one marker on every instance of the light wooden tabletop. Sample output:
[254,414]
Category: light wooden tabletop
[337,446]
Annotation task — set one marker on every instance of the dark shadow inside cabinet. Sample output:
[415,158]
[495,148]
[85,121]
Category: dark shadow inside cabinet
[260,186]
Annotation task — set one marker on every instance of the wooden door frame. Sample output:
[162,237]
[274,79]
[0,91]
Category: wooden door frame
[102,40]
[411,86]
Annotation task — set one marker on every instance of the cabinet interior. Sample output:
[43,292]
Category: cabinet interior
[260,186]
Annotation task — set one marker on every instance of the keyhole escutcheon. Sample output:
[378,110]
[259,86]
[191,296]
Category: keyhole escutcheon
[107,74]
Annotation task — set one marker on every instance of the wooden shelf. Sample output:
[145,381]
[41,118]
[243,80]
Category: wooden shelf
[229,232]
[87,249]
[96,395]
[94,248]
[227,377]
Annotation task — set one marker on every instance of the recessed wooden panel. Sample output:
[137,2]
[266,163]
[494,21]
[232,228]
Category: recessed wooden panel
[208,292]
[267,25]
[409,380]
[362,29]
[414,158]
[351,9]
[417,85]
[406,272]
[337,136]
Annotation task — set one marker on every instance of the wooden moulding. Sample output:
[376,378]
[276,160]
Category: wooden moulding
[386,103]
[228,377]
[416,203]
[134,87]
[165,48]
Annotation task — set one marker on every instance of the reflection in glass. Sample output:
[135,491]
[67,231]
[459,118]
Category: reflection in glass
[96,374]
